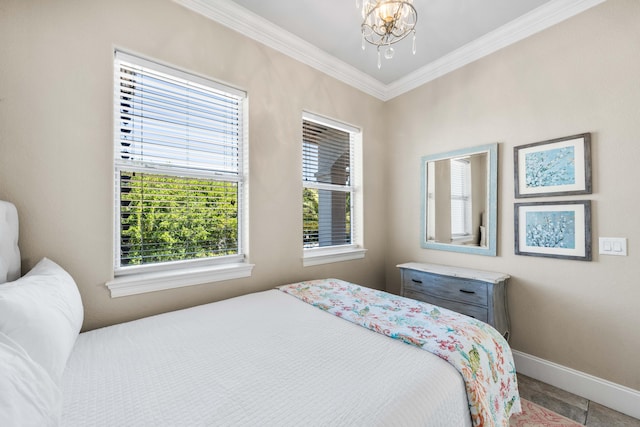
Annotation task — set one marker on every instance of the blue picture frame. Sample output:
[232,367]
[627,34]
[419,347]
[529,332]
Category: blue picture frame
[557,167]
[554,229]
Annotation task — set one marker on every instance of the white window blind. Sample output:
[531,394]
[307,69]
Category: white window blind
[460,197]
[178,164]
[327,174]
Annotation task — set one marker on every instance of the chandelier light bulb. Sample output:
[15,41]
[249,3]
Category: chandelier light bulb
[387,12]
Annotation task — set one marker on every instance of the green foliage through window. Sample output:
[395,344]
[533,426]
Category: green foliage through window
[165,218]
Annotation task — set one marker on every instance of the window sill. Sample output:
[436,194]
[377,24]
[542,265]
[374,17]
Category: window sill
[149,282]
[317,256]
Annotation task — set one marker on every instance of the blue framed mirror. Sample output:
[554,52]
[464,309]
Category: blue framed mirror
[459,192]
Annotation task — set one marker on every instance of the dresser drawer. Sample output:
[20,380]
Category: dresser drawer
[476,312]
[476,293]
[449,288]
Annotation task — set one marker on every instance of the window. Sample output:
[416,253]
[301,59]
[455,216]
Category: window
[331,201]
[179,169]
[460,198]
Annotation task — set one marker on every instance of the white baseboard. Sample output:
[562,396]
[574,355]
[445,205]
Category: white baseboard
[615,396]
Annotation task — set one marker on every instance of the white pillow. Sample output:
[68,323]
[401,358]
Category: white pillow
[28,395]
[42,312]
[9,252]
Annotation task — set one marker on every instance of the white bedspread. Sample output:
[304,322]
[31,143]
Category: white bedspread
[260,359]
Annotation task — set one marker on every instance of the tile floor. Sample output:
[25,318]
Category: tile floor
[571,406]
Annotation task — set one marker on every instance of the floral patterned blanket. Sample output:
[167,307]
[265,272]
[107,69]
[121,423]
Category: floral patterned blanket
[474,348]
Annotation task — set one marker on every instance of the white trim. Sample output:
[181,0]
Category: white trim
[327,121]
[247,23]
[615,396]
[317,256]
[234,16]
[157,281]
[186,264]
[328,187]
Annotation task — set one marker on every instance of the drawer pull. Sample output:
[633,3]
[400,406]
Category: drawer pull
[464,291]
[416,281]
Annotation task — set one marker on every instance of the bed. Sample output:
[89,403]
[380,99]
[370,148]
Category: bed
[323,352]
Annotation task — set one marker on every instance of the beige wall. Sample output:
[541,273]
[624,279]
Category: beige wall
[56,139]
[579,76]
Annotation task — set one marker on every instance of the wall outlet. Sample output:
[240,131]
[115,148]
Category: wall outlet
[613,246]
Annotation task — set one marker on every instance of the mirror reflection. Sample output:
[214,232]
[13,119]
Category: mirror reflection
[457,200]
[459,193]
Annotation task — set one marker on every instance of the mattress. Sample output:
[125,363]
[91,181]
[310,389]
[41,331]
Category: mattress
[260,359]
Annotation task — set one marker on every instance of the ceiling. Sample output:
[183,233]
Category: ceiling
[449,34]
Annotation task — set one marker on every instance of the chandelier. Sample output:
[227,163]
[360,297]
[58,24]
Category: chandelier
[386,22]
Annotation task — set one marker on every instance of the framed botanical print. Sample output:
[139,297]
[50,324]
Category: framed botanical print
[555,230]
[556,167]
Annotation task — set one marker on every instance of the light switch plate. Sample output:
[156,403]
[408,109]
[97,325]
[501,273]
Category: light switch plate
[613,246]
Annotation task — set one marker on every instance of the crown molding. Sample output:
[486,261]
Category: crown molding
[249,24]
[527,25]
[239,19]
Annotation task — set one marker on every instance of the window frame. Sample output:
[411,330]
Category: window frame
[465,197]
[129,280]
[354,250]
